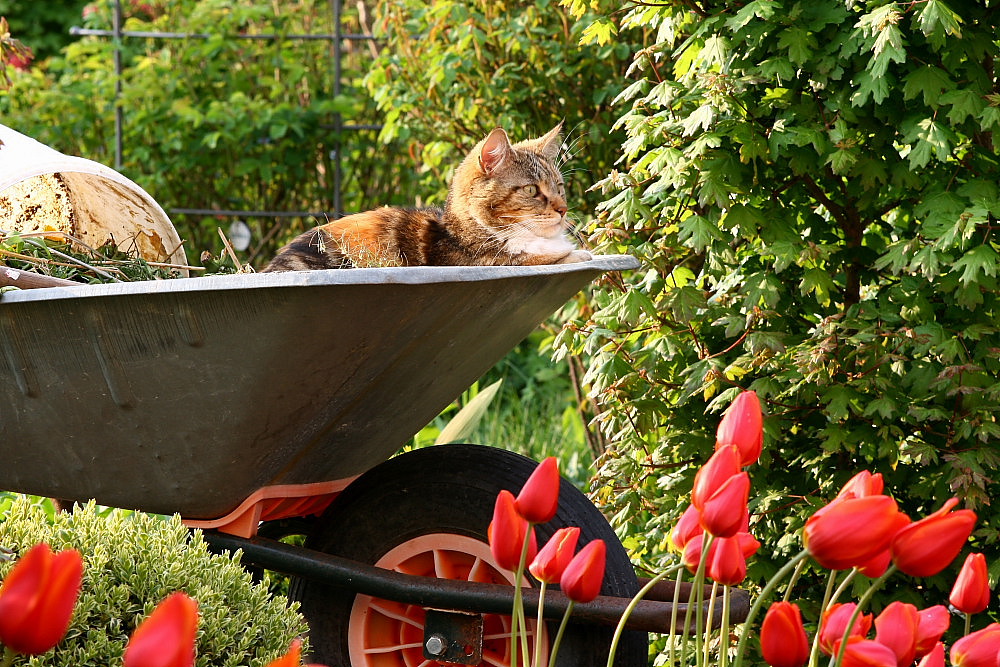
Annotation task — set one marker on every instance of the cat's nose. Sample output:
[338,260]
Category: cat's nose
[561,210]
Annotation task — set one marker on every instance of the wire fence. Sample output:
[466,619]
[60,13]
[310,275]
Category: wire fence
[337,38]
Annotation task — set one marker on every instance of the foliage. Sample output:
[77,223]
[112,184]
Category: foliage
[812,188]
[452,70]
[133,561]
[222,123]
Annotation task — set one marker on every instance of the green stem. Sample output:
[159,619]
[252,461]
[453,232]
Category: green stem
[724,645]
[794,580]
[827,595]
[968,623]
[559,634]
[708,624]
[761,600]
[620,628]
[539,623]
[673,615]
[843,587]
[699,591]
[517,623]
[865,599]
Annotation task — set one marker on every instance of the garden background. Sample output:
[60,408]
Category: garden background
[812,189]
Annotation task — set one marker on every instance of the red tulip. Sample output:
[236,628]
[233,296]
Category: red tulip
[743,427]
[557,553]
[897,627]
[292,657]
[722,465]
[932,623]
[722,513]
[926,547]
[934,657]
[867,653]
[692,550]
[726,564]
[167,637]
[688,527]
[977,649]
[862,484]
[834,624]
[783,640]
[971,592]
[507,532]
[37,599]
[849,533]
[539,497]
[582,579]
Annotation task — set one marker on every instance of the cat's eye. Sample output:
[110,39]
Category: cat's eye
[530,190]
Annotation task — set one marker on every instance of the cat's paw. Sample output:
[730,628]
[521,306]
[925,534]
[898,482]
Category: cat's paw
[576,256]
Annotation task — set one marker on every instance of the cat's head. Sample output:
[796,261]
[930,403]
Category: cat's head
[512,188]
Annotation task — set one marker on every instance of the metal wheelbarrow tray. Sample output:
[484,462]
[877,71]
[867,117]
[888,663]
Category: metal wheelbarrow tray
[191,395]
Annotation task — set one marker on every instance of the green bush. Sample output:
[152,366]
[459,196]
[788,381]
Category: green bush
[131,562]
[812,189]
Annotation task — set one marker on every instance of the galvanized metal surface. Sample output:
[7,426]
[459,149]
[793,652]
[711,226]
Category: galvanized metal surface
[188,395]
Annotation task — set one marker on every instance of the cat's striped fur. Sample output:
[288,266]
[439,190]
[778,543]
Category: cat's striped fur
[506,205]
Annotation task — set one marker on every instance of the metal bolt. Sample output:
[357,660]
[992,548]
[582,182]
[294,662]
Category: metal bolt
[436,645]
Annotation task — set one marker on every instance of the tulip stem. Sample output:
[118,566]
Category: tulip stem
[539,624]
[842,587]
[828,595]
[724,632]
[673,615]
[559,633]
[709,614]
[968,624]
[864,600]
[795,578]
[517,623]
[631,607]
[755,608]
[699,591]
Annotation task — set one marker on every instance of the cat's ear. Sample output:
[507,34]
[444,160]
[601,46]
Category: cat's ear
[550,144]
[495,150]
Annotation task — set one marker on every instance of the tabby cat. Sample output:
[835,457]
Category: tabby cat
[506,206]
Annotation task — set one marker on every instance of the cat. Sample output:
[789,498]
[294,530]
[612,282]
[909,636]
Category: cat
[506,206]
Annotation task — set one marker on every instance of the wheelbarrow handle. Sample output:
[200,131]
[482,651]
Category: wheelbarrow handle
[647,615]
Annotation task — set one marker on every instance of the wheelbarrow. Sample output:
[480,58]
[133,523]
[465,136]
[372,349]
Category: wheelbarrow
[261,405]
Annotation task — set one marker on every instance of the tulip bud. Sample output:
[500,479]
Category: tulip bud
[583,577]
[687,527]
[743,427]
[862,484]
[783,640]
[722,513]
[555,556]
[166,638]
[971,592]
[37,599]
[925,547]
[726,564]
[722,465]
[507,532]
[538,500]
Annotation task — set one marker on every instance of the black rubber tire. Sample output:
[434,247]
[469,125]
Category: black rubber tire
[451,489]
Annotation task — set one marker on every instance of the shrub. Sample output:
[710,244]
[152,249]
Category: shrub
[813,191]
[131,562]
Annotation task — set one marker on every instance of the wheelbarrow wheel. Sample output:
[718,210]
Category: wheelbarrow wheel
[426,512]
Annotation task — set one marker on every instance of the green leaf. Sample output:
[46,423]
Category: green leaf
[799,43]
[600,31]
[465,420]
[701,118]
[936,18]
[964,103]
[980,261]
[929,81]
[698,233]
